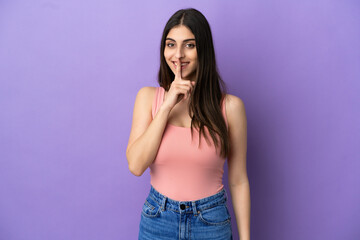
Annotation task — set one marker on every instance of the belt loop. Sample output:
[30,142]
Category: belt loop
[194,208]
[163,204]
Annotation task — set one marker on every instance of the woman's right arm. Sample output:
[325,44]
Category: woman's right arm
[146,133]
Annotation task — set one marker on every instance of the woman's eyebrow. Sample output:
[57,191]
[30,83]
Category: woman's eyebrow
[186,40]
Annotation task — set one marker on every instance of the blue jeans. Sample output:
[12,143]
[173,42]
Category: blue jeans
[164,218]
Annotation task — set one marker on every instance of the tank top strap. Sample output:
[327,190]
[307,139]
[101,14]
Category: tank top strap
[157,101]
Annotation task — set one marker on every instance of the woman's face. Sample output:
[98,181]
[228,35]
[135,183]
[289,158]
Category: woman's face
[180,44]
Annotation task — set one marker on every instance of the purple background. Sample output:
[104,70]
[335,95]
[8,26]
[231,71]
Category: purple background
[69,74]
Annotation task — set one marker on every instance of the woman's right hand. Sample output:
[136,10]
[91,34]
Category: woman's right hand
[180,89]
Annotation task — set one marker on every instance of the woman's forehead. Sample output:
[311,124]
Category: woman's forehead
[180,33]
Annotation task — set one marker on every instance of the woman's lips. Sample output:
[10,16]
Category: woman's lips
[183,64]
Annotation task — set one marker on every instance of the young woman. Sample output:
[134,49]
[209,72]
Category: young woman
[183,131]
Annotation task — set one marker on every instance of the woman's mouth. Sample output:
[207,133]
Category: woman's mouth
[183,64]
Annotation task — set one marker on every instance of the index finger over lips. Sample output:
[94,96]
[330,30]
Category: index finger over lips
[178,69]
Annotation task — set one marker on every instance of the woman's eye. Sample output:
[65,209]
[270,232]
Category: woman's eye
[189,45]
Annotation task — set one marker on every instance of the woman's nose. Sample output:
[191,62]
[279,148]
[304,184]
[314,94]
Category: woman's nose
[179,53]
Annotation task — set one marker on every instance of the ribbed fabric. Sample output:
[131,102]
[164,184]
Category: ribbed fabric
[182,171]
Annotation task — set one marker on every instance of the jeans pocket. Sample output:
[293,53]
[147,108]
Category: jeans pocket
[217,215]
[150,208]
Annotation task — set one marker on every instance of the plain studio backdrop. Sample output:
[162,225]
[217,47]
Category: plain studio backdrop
[69,74]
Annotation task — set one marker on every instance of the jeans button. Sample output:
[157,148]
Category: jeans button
[182,206]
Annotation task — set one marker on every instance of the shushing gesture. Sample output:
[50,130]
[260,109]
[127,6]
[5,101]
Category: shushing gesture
[180,89]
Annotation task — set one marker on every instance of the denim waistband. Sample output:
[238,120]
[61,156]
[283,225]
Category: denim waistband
[188,206]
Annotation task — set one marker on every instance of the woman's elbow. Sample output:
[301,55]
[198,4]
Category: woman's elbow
[135,170]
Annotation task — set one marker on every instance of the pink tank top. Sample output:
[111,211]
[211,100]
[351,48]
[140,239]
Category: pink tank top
[181,170]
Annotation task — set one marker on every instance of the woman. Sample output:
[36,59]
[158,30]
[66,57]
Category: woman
[183,131]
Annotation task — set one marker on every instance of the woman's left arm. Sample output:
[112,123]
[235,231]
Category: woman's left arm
[237,173]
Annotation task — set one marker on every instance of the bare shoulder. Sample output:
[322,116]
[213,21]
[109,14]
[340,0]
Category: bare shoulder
[144,98]
[146,93]
[233,104]
[142,113]
[235,110]
[143,104]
